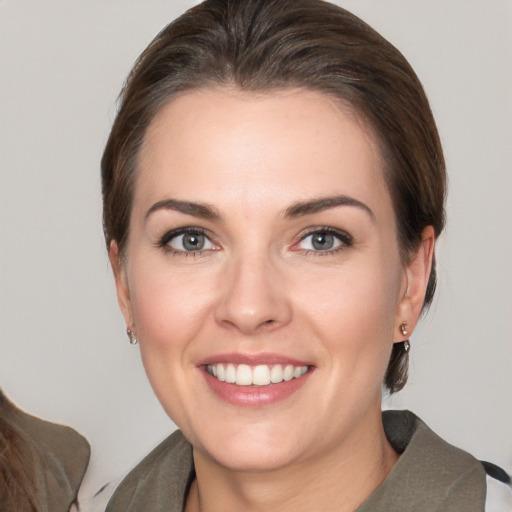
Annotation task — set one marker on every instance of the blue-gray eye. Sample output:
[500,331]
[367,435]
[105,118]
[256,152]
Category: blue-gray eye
[323,240]
[190,241]
[193,241]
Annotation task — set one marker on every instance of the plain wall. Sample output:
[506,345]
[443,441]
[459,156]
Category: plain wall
[64,353]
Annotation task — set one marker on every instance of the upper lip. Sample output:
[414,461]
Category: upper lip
[252,359]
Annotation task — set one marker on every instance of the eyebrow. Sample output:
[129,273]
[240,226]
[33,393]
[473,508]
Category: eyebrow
[201,210]
[324,203]
[299,209]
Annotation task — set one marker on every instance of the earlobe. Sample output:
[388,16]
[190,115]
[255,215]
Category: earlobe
[122,288]
[417,275]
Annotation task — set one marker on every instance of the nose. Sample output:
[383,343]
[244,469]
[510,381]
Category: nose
[253,297]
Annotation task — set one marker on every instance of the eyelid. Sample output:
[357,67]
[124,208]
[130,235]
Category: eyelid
[173,233]
[163,241]
[345,239]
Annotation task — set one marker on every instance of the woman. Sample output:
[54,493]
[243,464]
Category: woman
[273,189]
[41,464]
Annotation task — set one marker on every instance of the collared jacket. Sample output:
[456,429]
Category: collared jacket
[430,475]
[50,461]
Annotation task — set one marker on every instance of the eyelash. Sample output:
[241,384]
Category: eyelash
[345,241]
[164,241]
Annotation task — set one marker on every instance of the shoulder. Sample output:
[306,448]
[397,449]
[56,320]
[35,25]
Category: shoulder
[416,442]
[54,442]
[430,475]
[57,457]
[159,481]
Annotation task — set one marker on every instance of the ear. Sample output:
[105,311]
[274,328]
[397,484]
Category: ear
[122,288]
[417,274]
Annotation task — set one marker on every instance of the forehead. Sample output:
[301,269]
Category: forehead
[213,142]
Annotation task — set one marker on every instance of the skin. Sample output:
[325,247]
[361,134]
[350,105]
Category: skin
[260,286]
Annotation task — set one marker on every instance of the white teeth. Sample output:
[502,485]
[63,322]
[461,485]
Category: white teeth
[221,372]
[231,373]
[276,374]
[260,375]
[243,375]
[299,371]
[288,372]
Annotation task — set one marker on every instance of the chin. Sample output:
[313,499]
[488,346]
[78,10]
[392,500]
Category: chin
[255,458]
[256,449]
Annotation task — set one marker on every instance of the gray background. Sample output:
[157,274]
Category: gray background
[64,354]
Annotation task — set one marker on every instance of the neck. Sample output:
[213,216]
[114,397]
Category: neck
[338,480]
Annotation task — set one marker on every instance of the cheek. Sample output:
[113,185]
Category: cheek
[353,316]
[361,297]
[169,306]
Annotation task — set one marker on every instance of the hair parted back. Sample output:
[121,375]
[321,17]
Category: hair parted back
[267,45]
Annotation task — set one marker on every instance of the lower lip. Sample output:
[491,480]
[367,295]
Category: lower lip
[254,396]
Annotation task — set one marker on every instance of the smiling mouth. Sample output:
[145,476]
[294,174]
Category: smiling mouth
[260,375]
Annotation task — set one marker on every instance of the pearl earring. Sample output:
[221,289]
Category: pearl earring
[131,337]
[405,332]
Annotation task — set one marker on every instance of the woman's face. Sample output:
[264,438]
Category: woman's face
[263,249]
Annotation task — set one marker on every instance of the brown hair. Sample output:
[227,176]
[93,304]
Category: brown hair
[265,45]
[17,481]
